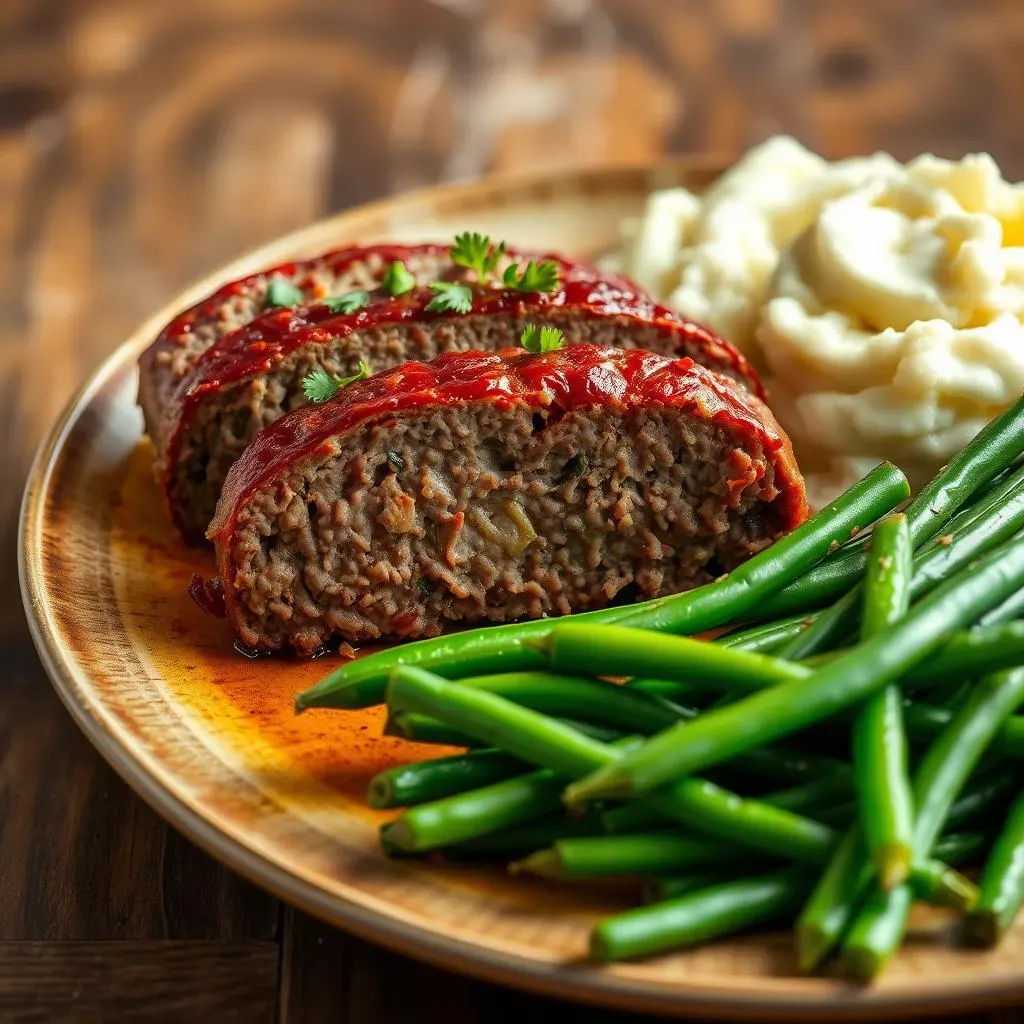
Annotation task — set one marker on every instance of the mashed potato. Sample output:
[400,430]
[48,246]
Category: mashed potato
[883,302]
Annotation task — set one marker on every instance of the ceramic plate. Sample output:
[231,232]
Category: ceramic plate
[208,736]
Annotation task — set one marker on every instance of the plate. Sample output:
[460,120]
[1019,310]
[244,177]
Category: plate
[209,739]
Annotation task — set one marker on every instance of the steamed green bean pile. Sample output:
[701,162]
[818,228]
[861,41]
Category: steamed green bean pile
[848,746]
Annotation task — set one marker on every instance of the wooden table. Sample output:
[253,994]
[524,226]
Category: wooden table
[142,143]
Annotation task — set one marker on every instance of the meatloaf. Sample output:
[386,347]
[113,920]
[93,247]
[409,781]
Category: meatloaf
[166,364]
[485,487]
[234,304]
[255,374]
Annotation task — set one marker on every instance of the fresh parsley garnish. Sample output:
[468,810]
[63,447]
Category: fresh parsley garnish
[347,303]
[537,339]
[397,280]
[283,293]
[319,386]
[539,276]
[477,253]
[450,296]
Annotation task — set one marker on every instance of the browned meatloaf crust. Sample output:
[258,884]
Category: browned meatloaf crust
[497,486]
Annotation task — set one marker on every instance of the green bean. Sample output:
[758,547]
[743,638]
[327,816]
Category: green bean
[633,817]
[980,650]
[820,792]
[981,510]
[588,700]
[837,815]
[941,884]
[768,637]
[698,916]
[969,652]
[992,451]
[781,764]
[644,853]
[879,741]
[828,784]
[841,887]
[953,849]
[1012,608]
[879,925]
[423,729]
[975,531]
[830,907]
[410,784]
[550,744]
[924,721]
[788,707]
[615,649]
[743,589]
[950,760]
[815,798]
[454,819]
[876,932]
[1002,882]
[827,629]
[656,890]
[681,695]
[523,839]
[362,683]
[631,709]
[557,747]
[957,848]
[983,797]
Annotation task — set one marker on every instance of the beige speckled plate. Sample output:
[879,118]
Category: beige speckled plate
[209,739]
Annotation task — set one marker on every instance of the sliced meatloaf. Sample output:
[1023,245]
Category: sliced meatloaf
[255,374]
[164,364]
[234,304]
[497,486]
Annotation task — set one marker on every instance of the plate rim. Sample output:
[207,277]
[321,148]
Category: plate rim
[591,984]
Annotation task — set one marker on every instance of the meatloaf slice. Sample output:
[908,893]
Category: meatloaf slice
[497,486]
[234,304]
[255,374]
[362,267]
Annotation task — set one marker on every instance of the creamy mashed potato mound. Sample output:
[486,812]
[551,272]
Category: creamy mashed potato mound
[883,302]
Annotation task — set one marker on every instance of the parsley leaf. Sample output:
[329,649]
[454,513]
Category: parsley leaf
[348,303]
[541,276]
[537,339]
[449,296]
[398,280]
[283,293]
[319,386]
[477,253]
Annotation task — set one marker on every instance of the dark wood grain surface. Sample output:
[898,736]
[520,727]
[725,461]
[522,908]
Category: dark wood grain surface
[142,142]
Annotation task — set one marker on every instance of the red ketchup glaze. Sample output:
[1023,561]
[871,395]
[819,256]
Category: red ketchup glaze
[574,377]
[258,346]
[336,261]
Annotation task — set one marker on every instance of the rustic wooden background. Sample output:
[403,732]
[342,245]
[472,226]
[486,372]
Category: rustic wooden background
[142,142]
